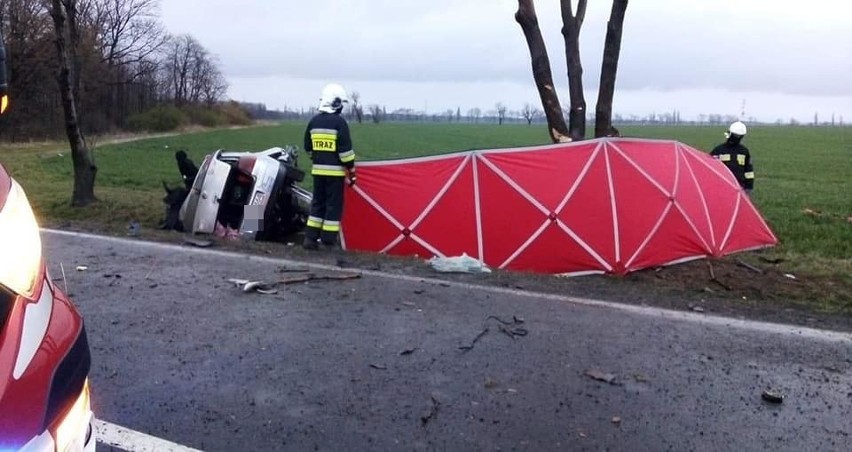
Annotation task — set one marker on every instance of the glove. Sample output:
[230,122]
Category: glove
[352,178]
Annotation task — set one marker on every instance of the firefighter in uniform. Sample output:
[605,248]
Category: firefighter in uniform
[4,98]
[736,156]
[330,145]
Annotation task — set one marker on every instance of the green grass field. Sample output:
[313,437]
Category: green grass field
[797,168]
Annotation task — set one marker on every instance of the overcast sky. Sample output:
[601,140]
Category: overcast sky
[784,58]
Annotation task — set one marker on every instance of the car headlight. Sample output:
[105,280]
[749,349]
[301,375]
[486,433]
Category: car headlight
[73,432]
[20,242]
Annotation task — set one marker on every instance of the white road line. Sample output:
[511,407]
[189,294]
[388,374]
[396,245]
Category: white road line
[133,441]
[704,319]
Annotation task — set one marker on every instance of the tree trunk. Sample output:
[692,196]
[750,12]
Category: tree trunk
[571,25]
[527,19]
[84,165]
[609,68]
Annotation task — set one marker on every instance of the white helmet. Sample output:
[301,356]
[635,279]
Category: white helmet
[332,99]
[737,128]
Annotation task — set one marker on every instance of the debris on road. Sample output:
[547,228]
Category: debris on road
[254,286]
[82,268]
[133,229]
[697,308]
[745,264]
[510,329]
[200,243]
[789,276]
[292,269]
[772,396]
[504,326]
[466,348]
[490,384]
[407,351]
[300,278]
[268,288]
[599,375]
[431,412]
[616,420]
[379,366]
[713,276]
[458,264]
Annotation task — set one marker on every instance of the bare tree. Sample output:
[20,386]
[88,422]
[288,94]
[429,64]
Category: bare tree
[357,109]
[530,113]
[128,30]
[449,114]
[501,112]
[64,12]
[377,113]
[527,19]
[474,113]
[212,83]
[609,68]
[192,73]
[571,25]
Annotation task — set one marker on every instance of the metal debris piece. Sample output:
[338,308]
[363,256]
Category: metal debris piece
[772,396]
[82,268]
[616,420]
[789,276]
[599,375]
[201,243]
[379,366]
[408,351]
[698,309]
[254,286]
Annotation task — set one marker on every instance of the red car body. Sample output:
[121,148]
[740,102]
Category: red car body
[44,351]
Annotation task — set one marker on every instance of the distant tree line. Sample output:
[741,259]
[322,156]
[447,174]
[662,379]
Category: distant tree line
[124,64]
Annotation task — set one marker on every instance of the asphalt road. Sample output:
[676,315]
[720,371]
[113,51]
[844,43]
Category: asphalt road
[181,354]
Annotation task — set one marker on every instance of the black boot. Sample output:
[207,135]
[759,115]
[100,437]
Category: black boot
[310,244]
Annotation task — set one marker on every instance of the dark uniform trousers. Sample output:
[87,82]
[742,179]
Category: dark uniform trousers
[326,209]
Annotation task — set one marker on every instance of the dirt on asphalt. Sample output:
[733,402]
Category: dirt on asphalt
[749,285]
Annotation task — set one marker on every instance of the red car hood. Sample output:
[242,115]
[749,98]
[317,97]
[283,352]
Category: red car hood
[44,356]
